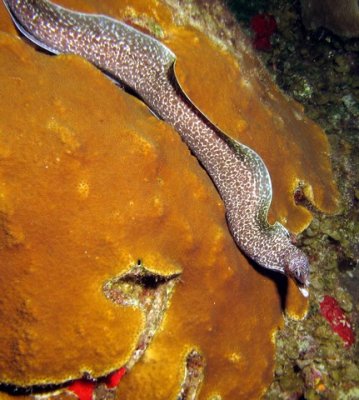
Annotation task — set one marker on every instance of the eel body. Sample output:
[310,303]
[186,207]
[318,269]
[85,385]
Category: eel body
[146,66]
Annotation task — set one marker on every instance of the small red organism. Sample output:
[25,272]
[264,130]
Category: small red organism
[261,43]
[338,321]
[113,379]
[263,25]
[83,388]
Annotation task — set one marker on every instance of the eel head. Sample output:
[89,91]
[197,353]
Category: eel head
[297,267]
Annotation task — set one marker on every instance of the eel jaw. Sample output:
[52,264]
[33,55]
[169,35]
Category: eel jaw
[297,267]
[304,290]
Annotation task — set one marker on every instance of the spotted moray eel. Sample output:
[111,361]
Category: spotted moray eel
[146,66]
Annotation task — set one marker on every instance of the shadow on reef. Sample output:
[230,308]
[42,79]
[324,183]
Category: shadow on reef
[244,9]
[14,390]
[50,388]
[281,282]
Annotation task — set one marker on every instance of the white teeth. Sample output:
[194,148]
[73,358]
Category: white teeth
[304,291]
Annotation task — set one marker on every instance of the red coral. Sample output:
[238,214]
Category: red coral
[263,25]
[338,321]
[113,379]
[261,43]
[83,388]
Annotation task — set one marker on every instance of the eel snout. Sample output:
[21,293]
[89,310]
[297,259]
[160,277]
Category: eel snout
[297,267]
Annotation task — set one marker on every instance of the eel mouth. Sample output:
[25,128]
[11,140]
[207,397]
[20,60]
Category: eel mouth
[302,285]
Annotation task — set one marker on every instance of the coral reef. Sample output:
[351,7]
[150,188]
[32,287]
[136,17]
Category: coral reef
[312,361]
[91,183]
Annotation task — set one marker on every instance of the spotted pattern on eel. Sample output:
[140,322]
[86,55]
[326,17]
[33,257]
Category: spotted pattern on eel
[146,66]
